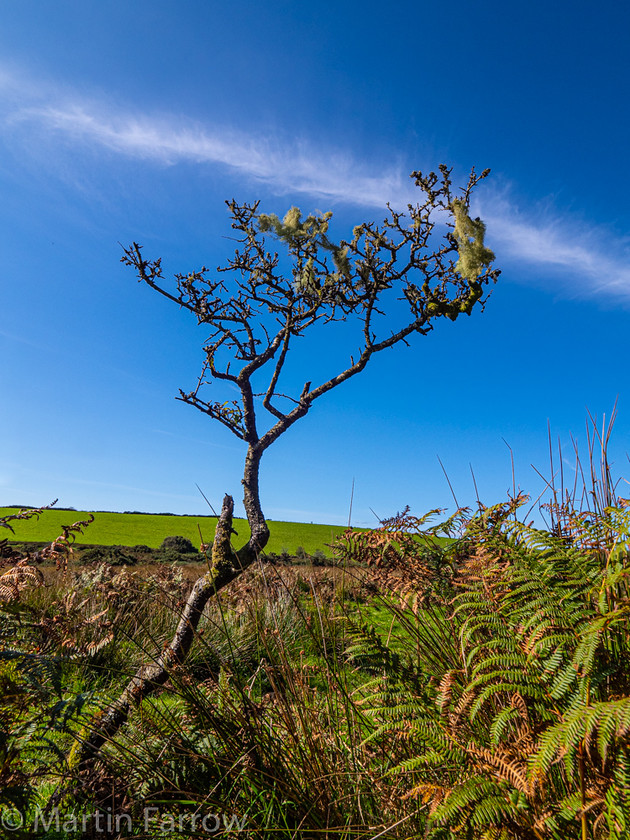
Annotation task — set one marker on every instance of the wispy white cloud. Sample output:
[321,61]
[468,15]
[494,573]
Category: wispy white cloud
[584,260]
[286,167]
[588,259]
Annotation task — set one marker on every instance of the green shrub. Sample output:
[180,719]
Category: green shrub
[318,558]
[177,549]
[180,545]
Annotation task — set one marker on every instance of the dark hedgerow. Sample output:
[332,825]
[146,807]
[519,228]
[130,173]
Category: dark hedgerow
[113,555]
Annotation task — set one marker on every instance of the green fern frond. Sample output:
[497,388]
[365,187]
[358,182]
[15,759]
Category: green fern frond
[491,666]
[612,719]
[563,682]
[501,723]
[463,799]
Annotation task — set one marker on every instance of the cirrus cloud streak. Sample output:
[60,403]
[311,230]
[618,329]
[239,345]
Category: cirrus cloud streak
[583,260]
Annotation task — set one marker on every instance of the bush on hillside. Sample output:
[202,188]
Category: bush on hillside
[318,558]
[180,545]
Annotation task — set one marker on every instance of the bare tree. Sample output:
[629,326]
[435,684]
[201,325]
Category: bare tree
[255,310]
[412,270]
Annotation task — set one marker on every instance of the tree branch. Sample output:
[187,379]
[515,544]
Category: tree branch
[225,566]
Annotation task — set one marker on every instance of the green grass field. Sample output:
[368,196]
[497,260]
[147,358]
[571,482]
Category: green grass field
[150,529]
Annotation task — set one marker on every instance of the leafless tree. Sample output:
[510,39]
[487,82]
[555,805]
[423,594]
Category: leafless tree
[254,310]
[413,269]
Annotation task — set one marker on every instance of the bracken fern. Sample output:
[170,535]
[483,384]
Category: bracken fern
[520,729]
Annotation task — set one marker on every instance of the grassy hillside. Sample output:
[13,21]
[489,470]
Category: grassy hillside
[150,529]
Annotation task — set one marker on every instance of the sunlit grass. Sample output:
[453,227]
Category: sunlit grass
[151,529]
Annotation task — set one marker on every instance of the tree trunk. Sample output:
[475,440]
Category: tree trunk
[251,501]
[226,565]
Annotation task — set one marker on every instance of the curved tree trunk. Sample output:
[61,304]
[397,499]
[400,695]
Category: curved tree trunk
[226,565]
[251,501]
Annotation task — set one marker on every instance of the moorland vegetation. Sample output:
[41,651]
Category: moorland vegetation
[471,688]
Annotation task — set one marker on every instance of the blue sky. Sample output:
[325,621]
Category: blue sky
[135,121]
